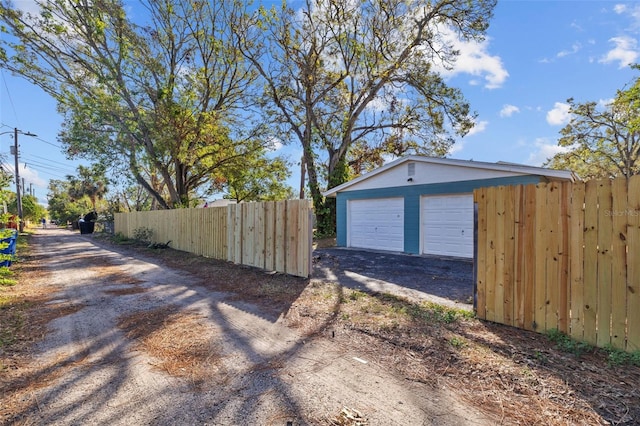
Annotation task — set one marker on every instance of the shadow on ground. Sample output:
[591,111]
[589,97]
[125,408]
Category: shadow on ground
[447,281]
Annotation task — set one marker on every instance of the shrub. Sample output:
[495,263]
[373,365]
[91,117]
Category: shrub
[143,234]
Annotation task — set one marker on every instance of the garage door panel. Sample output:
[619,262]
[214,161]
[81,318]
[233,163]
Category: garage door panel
[376,224]
[447,225]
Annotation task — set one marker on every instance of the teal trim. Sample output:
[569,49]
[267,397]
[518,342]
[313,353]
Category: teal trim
[411,194]
[411,223]
[341,221]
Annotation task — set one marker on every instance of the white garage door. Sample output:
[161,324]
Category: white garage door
[447,225]
[376,224]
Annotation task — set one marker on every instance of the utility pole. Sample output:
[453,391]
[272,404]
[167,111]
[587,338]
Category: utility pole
[18,196]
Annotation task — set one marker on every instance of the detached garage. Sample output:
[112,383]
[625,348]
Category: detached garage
[423,205]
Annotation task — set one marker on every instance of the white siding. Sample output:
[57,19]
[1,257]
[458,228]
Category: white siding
[426,173]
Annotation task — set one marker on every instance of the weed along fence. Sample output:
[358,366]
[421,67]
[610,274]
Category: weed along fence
[276,236]
[562,256]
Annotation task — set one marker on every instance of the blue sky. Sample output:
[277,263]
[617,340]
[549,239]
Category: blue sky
[536,56]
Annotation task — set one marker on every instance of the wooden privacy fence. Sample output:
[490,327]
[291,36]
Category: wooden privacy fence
[275,236]
[562,256]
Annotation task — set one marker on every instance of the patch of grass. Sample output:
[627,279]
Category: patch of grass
[7,282]
[356,294]
[120,239]
[567,344]
[542,358]
[620,357]
[426,311]
[6,279]
[457,342]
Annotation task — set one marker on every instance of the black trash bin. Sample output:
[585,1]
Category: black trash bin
[86,227]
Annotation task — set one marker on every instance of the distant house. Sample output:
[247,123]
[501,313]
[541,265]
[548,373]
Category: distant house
[423,205]
[219,203]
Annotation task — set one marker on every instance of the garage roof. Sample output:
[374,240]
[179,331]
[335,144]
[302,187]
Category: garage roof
[551,174]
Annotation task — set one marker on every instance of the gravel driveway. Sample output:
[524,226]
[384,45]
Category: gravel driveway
[445,281]
[269,374]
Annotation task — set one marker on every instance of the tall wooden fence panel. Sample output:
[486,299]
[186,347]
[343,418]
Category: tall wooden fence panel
[275,236]
[562,256]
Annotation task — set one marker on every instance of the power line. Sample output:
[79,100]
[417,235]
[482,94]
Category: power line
[48,160]
[6,86]
[39,166]
[47,168]
[49,143]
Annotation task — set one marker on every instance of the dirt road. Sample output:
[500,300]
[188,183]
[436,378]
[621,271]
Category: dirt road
[258,371]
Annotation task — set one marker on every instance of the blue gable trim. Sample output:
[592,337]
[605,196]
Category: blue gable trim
[411,195]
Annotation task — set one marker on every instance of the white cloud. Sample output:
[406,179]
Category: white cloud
[633,12]
[27,6]
[619,8]
[456,147]
[29,175]
[275,144]
[509,110]
[625,53]
[559,115]
[474,59]
[576,26]
[575,48]
[544,150]
[479,127]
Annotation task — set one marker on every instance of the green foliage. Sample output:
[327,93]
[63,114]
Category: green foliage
[130,197]
[143,234]
[567,344]
[347,113]
[601,141]
[426,311]
[6,277]
[31,209]
[91,182]
[257,179]
[6,272]
[325,218]
[542,358]
[119,238]
[6,195]
[7,282]
[356,294]
[457,342]
[620,357]
[167,97]
[62,207]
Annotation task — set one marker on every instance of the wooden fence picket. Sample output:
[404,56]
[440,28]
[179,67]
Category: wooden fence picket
[564,256]
[272,235]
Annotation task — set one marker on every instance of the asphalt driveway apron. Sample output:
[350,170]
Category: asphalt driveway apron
[420,278]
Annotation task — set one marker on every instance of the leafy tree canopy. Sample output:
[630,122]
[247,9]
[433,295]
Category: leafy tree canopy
[262,180]
[601,140]
[166,97]
[62,208]
[353,81]
[91,182]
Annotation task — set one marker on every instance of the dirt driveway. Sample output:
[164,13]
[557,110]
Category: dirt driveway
[96,365]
